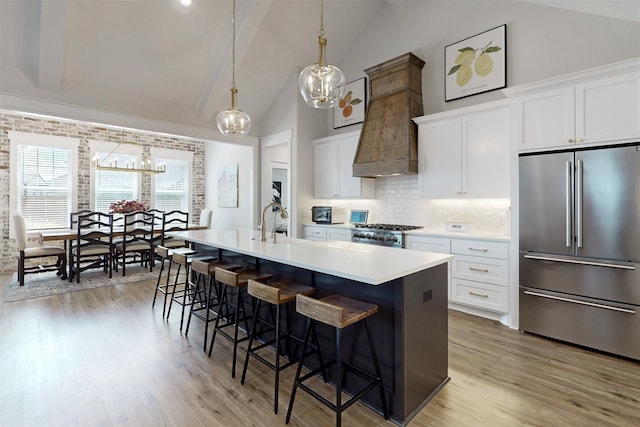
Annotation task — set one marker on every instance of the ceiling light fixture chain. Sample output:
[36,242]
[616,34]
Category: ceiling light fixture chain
[233,121]
[321,84]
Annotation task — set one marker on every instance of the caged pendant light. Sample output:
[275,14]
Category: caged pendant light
[321,84]
[233,121]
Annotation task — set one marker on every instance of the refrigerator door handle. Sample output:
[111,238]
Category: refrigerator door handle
[580,261]
[579,203]
[591,304]
[567,207]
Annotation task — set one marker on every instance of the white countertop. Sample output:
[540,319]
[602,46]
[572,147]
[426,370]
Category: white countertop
[370,264]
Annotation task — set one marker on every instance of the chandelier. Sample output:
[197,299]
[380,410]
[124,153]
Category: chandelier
[321,84]
[233,121]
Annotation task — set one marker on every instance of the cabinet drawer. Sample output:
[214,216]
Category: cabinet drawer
[489,270]
[429,244]
[316,232]
[480,248]
[480,295]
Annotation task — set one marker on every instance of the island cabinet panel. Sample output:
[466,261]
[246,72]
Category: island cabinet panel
[410,329]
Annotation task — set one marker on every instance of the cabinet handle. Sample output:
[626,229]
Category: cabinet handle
[478,249]
[478,295]
[481,270]
[571,140]
[579,140]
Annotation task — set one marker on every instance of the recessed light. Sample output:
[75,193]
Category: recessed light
[186,2]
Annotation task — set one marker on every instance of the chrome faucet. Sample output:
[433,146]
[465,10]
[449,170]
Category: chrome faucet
[283,215]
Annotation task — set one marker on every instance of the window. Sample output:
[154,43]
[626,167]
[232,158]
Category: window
[43,179]
[172,189]
[112,186]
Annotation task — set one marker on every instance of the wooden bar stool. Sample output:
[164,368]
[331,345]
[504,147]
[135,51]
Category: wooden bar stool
[277,294]
[207,294]
[236,280]
[165,254]
[182,296]
[337,311]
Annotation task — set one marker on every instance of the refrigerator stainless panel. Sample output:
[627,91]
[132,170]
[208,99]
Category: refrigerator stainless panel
[546,203]
[592,323]
[610,203]
[611,281]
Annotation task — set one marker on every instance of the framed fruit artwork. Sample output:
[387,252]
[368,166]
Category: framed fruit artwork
[477,64]
[351,108]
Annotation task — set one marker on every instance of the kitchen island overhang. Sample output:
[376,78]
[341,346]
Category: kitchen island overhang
[409,287]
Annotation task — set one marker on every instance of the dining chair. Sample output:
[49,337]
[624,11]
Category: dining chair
[174,221]
[205,217]
[137,238]
[25,253]
[73,218]
[93,247]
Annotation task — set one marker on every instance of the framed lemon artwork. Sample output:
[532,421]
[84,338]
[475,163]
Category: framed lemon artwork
[351,108]
[477,64]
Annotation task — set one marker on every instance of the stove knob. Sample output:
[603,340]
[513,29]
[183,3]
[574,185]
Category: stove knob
[395,239]
[357,234]
[388,238]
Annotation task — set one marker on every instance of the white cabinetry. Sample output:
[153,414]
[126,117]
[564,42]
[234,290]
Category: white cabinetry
[333,169]
[591,107]
[315,233]
[480,274]
[329,232]
[465,152]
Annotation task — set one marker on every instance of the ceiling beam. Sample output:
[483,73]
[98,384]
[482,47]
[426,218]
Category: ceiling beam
[249,17]
[53,23]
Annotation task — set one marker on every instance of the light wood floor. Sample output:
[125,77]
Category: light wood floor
[104,357]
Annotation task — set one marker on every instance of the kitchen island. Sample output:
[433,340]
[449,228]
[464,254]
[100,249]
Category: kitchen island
[409,287]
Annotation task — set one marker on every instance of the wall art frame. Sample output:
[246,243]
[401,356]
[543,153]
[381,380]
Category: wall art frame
[477,64]
[228,186]
[352,107]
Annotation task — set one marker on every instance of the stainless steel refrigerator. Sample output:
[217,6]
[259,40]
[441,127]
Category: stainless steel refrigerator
[580,247]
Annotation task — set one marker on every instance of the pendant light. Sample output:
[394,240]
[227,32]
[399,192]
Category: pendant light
[321,84]
[233,121]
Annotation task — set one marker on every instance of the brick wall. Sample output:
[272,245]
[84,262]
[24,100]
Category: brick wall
[85,132]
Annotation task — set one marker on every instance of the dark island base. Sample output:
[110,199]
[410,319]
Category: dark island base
[410,331]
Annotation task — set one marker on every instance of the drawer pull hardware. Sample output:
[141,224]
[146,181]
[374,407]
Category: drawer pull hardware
[481,270]
[590,304]
[478,249]
[478,295]
[577,261]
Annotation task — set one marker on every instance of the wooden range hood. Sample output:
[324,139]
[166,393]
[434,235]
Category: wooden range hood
[388,143]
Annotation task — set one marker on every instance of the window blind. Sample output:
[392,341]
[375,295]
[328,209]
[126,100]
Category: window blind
[113,186]
[44,186]
[172,187]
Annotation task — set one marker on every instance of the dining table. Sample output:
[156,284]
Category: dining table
[69,234]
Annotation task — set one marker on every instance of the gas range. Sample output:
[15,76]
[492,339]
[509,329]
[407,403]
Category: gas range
[381,234]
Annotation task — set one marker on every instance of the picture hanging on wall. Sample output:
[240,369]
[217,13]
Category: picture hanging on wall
[477,64]
[228,186]
[352,106]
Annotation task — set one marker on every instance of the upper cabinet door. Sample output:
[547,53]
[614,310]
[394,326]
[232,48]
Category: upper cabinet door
[608,109]
[546,119]
[440,158]
[486,153]
[324,171]
[333,169]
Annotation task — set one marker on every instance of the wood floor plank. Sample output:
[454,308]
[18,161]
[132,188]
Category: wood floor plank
[104,357]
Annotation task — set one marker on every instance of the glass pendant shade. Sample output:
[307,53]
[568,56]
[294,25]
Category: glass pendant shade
[321,86]
[232,121]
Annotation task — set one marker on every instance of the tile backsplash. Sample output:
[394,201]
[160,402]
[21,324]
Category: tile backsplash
[398,202]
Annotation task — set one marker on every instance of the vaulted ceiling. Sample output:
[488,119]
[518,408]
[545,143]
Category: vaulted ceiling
[160,60]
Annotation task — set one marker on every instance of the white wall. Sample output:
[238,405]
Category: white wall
[246,156]
[542,42]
